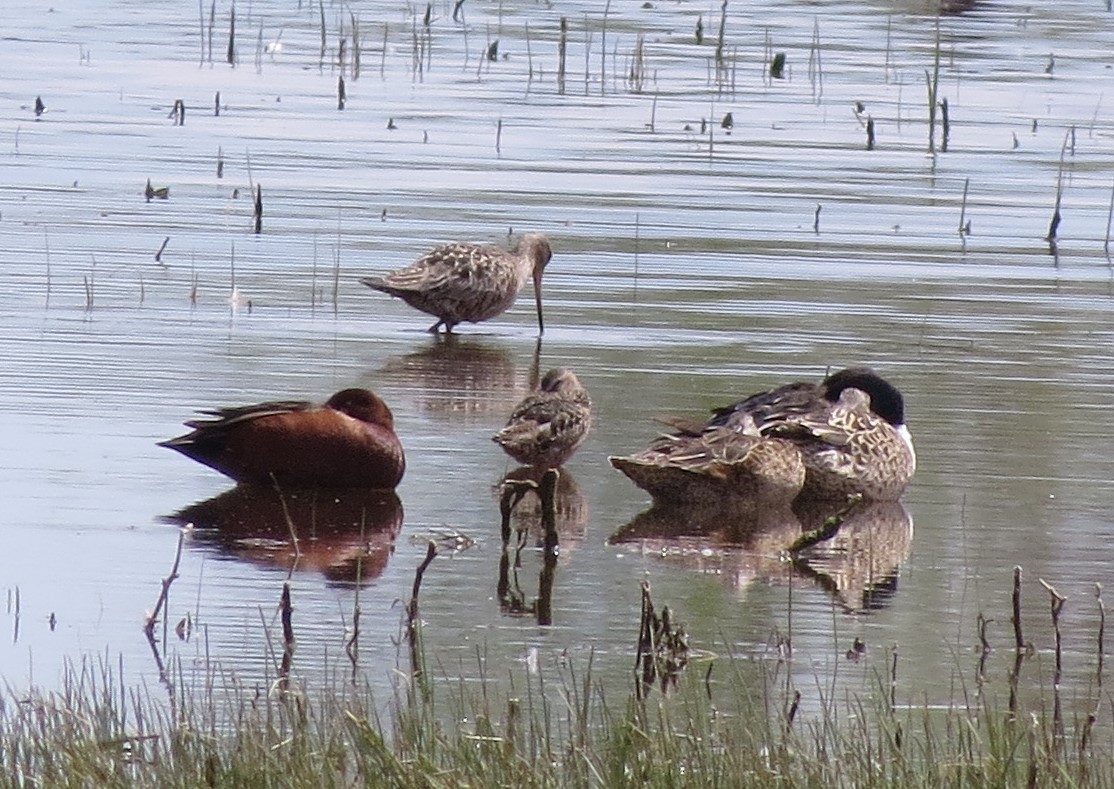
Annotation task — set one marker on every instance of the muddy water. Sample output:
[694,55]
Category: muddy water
[692,266]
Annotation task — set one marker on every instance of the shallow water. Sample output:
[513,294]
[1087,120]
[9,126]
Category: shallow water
[687,272]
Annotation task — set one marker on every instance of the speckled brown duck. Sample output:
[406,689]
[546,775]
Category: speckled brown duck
[849,428]
[845,435]
[716,464]
[459,282]
[347,442]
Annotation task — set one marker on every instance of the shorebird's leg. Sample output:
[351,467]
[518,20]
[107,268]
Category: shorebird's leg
[435,327]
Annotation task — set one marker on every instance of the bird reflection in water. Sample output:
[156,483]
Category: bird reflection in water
[347,535]
[462,378]
[858,564]
[570,509]
[512,599]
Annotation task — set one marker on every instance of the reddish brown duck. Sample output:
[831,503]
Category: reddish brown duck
[348,442]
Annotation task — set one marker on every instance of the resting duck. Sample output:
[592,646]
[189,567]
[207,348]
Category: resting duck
[716,464]
[349,442]
[545,429]
[850,430]
[845,435]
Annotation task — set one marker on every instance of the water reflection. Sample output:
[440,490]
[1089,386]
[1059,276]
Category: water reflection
[570,506]
[541,487]
[347,535]
[858,565]
[459,376]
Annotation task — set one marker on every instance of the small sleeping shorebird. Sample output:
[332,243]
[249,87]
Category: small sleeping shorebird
[349,442]
[843,436]
[545,429]
[465,282]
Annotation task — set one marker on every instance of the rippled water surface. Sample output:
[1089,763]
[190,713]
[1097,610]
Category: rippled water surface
[693,264]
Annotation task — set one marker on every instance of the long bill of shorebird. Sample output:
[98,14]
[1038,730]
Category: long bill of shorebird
[538,297]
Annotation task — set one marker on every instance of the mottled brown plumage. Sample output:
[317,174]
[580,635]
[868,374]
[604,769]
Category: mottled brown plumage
[850,430]
[348,442]
[546,428]
[464,282]
[845,435]
[714,464]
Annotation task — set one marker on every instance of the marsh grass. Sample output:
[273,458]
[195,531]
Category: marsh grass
[736,725]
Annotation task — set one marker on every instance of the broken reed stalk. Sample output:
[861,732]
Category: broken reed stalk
[587,56]
[257,213]
[603,49]
[663,648]
[162,248]
[1056,601]
[286,614]
[220,161]
[932,82]
[160,603]
[324,36]
[964,227]
[1101,635]
[643,655]
[498,136]
[352,644]
[383,56]
[216,107]
[413,627]
[815,63]
[230,55]
[791,714]
[355,47]
[984,651]
[201,24]
[529,57]
[1019,644]
[719,41]
[816,219]
[1054,225]
[945,125]
[212,28]
[562,51]
[869,133]
[89,283]
[342,96]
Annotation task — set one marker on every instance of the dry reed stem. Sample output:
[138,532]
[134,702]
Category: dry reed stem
[412,623]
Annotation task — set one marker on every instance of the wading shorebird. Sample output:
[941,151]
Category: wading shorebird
[349,442]
[546,428]
[465,282]
[849,431]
